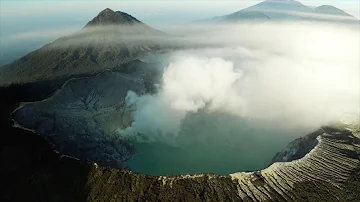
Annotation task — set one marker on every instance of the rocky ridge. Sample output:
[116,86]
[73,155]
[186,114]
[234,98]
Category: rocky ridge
[110,17]
[330,172]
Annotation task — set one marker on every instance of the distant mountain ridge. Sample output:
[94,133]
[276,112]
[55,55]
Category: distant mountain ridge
[331,10]
[285,10]
[274,8]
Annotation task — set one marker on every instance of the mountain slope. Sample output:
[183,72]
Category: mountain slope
[108,41]
[279,9]
[245,16]
[331,10]
[286,10]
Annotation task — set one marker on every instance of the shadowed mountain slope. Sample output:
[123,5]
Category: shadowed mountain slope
[108,41]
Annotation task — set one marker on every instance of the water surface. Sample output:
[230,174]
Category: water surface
[212,143]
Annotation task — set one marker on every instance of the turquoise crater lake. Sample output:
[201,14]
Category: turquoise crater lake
[212,143]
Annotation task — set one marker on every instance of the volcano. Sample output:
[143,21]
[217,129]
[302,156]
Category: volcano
[63,105]
[107,42]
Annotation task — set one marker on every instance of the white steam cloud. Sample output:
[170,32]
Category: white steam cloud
[289,75]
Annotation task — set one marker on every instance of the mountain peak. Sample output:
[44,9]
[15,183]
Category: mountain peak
[284,1]
[330,10]
[110,17]
[328,6]
[107,11]
[279,9]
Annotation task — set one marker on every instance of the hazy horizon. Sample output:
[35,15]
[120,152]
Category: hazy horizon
[41,22]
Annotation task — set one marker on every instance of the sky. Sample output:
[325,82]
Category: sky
[34,23]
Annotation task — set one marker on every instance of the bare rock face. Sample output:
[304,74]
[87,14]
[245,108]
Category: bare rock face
[329,172]
[110,17]
[322,166]
[81,118]
[328,168]
[298,148]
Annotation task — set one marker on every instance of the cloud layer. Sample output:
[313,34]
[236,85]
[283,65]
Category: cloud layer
[288,75]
